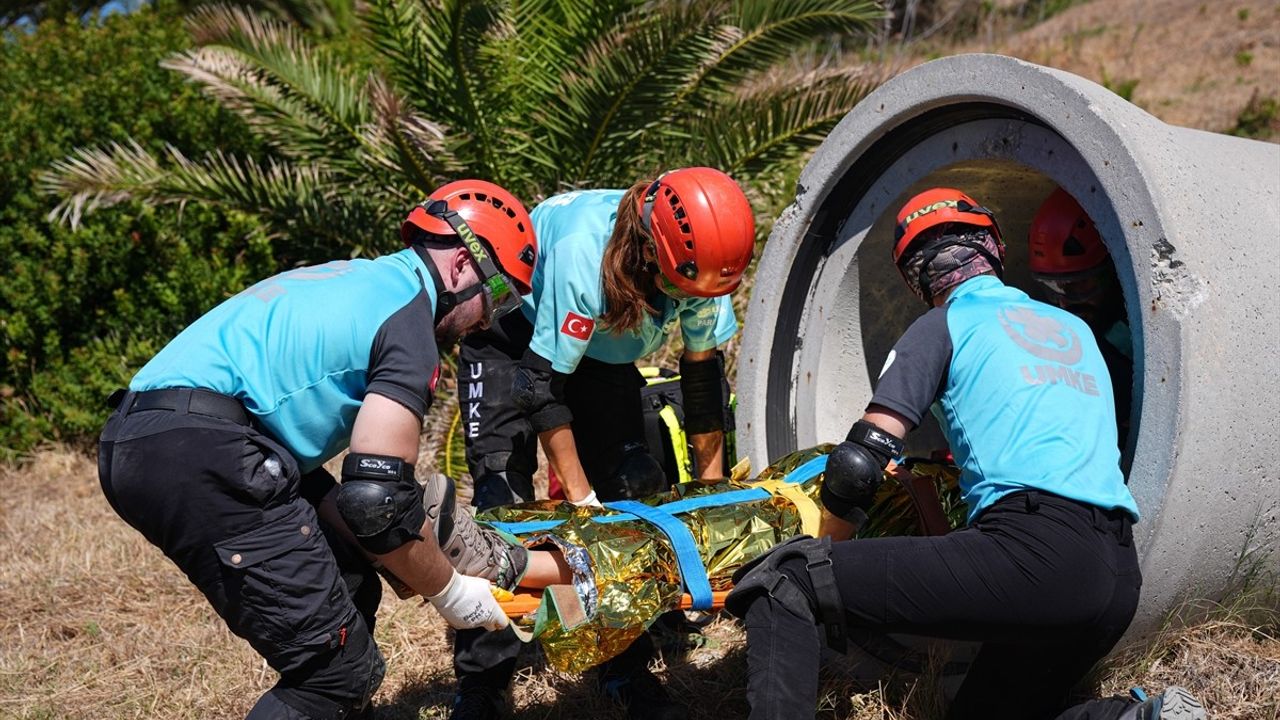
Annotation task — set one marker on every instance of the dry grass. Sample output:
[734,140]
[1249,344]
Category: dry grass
[97,624]
[1196,63]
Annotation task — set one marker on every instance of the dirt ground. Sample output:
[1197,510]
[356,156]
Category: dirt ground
[95,623]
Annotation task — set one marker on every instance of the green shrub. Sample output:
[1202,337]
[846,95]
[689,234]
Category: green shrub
[1122,87]
[80,311]
[1259,118]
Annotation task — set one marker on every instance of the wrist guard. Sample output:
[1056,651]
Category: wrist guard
[703,389]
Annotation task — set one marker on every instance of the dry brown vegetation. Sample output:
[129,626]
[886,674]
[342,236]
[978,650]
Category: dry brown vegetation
[1194,63]
[96,623]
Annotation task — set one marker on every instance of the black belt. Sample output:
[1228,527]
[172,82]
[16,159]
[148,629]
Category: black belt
[190,400]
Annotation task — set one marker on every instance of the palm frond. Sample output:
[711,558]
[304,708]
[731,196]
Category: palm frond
[298,200]
[434,53]
[267,71]
[768,32]
[284,124]
[405,143]
[621,86]
[775,121]
[93,178]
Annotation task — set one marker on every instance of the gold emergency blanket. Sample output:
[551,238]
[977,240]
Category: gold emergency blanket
[626,574]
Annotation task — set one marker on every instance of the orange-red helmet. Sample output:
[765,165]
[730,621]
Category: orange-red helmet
[1062,238]
[702,229]
[934,207]
[492,213]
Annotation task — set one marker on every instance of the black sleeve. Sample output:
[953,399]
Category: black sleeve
[404,360]
[915,373]
[538,391]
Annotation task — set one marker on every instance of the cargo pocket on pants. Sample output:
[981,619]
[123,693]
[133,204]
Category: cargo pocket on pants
[285,593]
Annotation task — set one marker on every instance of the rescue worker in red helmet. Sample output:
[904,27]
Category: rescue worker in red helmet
[1073,270]
[1045,575]
[215,452]
[617,272]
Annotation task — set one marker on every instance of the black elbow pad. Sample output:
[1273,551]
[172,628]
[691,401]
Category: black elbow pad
[380,501]
[538,391]
[703,389]
[855,470]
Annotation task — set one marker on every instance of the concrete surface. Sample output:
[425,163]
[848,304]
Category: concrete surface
[1192,220]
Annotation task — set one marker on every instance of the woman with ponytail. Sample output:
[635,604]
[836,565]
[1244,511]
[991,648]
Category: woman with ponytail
[616,272]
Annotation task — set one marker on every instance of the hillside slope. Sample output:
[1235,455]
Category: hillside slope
[1193,63]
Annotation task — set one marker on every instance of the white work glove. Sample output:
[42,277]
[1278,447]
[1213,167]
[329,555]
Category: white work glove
[589,501]
[467,602]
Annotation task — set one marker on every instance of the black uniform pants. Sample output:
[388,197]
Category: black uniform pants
[221,500]
[502,457]
[502,451]
[1047,584]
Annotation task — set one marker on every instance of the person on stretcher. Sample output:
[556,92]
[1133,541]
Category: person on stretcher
[609,573]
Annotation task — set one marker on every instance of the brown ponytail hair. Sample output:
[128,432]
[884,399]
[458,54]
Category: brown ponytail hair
[626,272]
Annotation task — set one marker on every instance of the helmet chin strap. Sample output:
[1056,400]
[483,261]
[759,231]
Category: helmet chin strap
[447,300]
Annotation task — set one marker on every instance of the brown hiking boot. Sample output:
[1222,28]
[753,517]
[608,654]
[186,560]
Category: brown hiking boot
[471,548]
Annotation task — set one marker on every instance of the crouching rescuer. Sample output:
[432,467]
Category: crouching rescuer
[216,451]
[1045,574]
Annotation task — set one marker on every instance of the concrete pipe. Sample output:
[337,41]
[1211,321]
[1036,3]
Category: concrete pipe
[1191,219]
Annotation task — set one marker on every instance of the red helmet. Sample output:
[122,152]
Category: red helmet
[1062,238]
[934,207]
[702,228]
[492,213]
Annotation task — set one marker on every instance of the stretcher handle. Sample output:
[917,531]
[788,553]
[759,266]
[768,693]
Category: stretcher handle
[523,603]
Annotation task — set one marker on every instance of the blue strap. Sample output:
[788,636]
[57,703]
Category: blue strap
[801,474]
[807,471]
[692,572]
[529,527]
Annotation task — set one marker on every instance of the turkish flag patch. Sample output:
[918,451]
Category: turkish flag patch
[576,326]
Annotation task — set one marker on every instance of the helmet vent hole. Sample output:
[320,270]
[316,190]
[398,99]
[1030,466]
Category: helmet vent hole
[684,228]
[688,243]
[1072,247]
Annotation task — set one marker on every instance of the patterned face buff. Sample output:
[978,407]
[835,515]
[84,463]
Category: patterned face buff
[946,259]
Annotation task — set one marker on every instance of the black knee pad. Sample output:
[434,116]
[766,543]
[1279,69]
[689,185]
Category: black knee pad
[798,575]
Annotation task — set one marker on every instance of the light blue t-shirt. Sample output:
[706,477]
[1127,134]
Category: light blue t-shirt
[1023,395]
[301,349]
[567,301]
